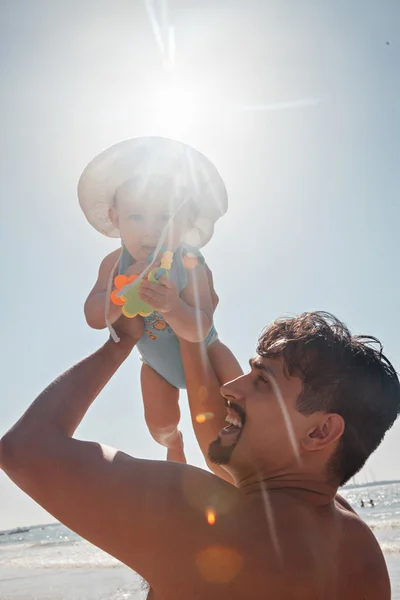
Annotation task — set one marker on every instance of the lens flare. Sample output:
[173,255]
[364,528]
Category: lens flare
[203,417]
[219,564]
[163,30]
[286,418]
[211,516]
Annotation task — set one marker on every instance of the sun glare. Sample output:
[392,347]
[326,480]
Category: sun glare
[174,108]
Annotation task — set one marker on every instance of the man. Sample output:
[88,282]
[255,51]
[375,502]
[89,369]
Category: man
[314,405]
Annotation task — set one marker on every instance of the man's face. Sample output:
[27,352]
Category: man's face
[267,429]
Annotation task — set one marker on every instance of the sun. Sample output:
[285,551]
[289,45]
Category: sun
[175,109]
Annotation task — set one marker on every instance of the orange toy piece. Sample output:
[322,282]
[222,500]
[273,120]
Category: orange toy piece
[121,281]
[127,289]
[190,261]
[130,302]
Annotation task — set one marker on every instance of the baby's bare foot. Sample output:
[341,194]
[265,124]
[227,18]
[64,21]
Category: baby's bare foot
[175,450]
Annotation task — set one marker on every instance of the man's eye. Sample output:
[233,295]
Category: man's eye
[260,379]
[135,217]
[165,218]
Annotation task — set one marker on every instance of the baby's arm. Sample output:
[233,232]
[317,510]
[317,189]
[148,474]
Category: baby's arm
[189,314]
[95,305]
[96,301]
[192,319]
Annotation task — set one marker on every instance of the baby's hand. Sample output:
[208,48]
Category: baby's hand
[163,296]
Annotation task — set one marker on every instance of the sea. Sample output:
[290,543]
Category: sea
[50,562]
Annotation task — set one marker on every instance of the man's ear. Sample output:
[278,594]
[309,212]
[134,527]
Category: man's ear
[113,216]
[327,430]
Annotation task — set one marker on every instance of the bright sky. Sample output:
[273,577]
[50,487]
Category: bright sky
[312,174]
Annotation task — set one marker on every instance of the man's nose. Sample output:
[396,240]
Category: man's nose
[234,390]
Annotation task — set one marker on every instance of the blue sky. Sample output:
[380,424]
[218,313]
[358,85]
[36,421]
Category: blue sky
[314,210]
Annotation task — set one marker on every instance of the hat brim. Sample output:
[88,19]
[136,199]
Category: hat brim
[143,157]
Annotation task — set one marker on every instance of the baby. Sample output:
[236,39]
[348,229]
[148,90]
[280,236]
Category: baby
[154,192]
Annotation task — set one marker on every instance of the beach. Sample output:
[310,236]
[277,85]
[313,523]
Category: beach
[50,562]
[118,583]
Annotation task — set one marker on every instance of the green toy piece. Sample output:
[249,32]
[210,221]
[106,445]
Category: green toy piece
[132,304]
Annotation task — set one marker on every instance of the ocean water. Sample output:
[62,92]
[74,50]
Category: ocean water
[50,562]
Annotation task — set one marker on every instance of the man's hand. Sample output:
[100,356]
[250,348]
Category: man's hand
[129,331]
[163,296]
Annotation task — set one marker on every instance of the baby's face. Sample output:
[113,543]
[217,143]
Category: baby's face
[141,220]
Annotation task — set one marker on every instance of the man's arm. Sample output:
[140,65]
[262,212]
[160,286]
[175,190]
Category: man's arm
[203,390]
[130,508]
[207,406]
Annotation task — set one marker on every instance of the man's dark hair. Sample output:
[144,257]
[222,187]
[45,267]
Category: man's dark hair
[343,374]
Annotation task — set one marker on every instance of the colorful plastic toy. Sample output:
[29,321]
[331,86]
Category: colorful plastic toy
[126,293]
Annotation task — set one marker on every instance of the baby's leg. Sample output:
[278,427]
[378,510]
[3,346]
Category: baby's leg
[161,411]
[224,363]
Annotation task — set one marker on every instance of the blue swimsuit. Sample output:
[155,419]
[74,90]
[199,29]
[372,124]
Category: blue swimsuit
[159,347]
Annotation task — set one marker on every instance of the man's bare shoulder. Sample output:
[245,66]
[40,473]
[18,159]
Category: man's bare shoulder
[331,541]
[342,503]
[361,552]
[352,523]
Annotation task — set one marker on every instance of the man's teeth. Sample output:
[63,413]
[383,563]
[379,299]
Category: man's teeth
[233,421]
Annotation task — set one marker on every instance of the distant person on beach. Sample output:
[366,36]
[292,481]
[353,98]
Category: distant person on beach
[362,504]
[371,503]
[314,405]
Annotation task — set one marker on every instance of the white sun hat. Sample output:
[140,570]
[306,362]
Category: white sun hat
[190,172]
